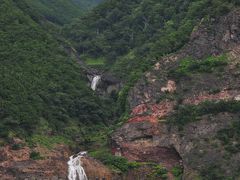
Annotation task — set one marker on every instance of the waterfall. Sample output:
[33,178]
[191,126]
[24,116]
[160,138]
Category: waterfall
[95,82]
[75,169]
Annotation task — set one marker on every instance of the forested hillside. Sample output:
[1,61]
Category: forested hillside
[61,11]
[42,91]
[164,100]
[129,35]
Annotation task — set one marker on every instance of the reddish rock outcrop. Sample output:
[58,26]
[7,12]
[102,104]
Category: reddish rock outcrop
[17,164]
[151,112]
[96,170]
[146,137]
[205,96]
[136,140]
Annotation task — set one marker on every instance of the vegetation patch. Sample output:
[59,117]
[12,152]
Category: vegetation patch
[158,172]
[189,66]
[177,171]
[94,61]
[35,155]
[47,141]
[122,165]
[17,146]
[116,163]
[190,113]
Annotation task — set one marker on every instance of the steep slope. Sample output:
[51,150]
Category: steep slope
[43,91]
[185,112]
[126,38]
[44,99]
[168,104]
[129,36]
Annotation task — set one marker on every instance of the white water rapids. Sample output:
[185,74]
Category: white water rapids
[75,169]
[95,82]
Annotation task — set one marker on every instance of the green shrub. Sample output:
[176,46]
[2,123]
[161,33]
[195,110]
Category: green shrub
[47,141]
[117,163]
[177,171]
[188,66]
[214,91]
[159,172]
[2,142]
[134,164]
[35,155]
[17,146]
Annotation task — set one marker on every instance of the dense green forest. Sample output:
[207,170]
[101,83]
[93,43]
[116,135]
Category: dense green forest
[42,91]
[61,11]
[129,35]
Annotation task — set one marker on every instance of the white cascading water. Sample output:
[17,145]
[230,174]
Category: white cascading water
[95,82]
[75,169]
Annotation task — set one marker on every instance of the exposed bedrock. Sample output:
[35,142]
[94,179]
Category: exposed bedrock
[147,135]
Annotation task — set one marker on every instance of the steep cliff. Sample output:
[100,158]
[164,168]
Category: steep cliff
[186,110]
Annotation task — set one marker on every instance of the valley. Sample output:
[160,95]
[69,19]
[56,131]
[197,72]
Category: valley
[119,90]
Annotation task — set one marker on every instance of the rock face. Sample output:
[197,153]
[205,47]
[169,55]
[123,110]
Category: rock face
[209,39]
[96,170]
[17,164]
[147,136]
[108,85]
[171,87]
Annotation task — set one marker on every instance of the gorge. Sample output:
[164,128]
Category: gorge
[120,90]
